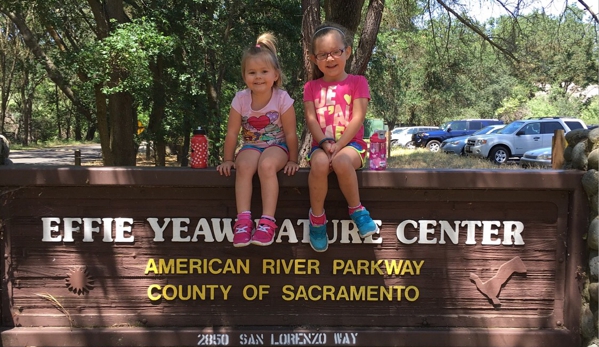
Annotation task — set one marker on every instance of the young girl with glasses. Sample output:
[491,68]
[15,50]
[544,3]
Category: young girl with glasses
[264,112]
[335,108]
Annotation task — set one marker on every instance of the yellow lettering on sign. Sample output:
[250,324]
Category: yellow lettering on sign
[349,293]
[184,266]
[291,266]
[171,292]
[398,267]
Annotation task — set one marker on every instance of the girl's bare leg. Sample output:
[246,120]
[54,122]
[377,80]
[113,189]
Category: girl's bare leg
[318,181]
[345,164]
[246,165]
[272,160]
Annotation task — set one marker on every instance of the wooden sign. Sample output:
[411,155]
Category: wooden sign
[462,259]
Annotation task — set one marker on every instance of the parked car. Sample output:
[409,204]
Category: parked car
[536,158]
[519,137]
[455,145]
[404,136]
[432,139]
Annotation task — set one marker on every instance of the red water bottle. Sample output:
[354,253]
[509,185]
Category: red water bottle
[199,149]
[378,151]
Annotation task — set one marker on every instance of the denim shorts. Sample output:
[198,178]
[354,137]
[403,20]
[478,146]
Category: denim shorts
[282,146]
[360,148]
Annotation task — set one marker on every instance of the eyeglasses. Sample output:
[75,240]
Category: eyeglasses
[335,54]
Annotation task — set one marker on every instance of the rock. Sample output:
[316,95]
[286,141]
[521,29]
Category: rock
[593,234]
[594,265]
[579,156]
[590,182]
[594,206]
[594,159]
[4,150]
[575,136]
[594,135]
[587,322]
[594,291]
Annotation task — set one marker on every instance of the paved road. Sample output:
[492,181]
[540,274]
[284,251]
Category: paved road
[59,156]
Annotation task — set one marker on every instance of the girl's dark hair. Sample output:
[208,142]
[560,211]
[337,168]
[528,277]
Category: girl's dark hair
[322,30]
[266,48]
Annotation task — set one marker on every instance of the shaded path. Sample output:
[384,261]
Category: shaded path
[58,156]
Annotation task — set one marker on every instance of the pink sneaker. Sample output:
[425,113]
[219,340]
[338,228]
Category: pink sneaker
[265,233]
[243,228]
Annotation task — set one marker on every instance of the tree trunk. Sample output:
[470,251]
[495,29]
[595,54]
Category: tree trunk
[310,20]
[101,116]
[157,113]
[368,37]
[118,126]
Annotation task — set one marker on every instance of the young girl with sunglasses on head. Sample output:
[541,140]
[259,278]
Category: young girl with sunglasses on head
[335,108]
[264,112]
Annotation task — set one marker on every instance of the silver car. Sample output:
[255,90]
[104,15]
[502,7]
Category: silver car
[455,145]
[537,158]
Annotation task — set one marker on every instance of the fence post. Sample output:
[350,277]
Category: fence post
[558,144]
[77,157]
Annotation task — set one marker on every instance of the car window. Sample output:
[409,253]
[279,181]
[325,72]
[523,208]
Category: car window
[574,125]
[475,125]
[532,129]
[459,125]
[511,128]
[551,127]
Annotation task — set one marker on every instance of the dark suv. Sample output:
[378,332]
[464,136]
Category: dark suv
[432,139]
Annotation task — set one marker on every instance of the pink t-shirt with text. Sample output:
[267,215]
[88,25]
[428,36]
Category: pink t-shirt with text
[333,102]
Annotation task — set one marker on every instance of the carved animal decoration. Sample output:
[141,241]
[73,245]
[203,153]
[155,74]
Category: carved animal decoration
[492,287]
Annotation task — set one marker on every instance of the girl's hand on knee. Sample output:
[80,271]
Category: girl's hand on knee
[291,168]
[225,167]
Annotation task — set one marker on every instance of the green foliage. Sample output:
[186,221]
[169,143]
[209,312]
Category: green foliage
[129,49]
[182,58]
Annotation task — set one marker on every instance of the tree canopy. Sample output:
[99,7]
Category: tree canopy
[124,72]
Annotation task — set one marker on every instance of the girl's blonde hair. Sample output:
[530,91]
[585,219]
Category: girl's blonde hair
[322,30]
[265,48]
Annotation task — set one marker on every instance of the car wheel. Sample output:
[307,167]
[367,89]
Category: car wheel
[499,155]
[433,145]
[394,143]
[410,145]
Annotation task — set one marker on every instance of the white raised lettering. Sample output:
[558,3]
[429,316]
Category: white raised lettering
[89,228]
[122,226]
[288,231]
[158,230]
[178,228]
[513,229]
[49,227]
[401,232]
[425,230]
[69,228]
[489,231]
[471,231]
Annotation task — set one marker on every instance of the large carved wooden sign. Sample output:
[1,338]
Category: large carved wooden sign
[462,259]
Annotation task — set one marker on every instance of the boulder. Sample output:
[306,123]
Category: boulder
[575,136]
[594,159]
[580,159]
[593,234]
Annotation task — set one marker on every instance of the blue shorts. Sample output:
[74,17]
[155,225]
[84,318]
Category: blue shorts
[354,144]
[282,146]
